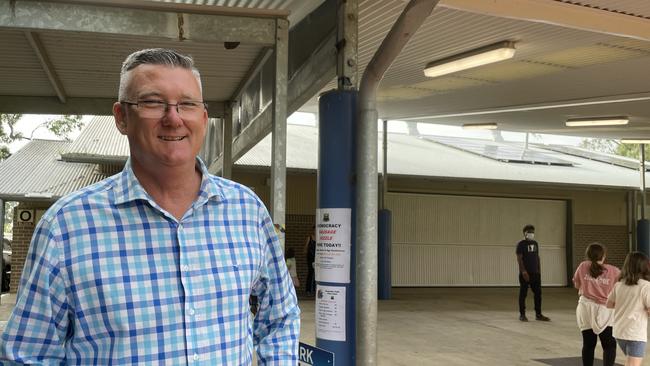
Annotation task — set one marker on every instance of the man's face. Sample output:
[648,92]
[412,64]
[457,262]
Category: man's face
[168,141]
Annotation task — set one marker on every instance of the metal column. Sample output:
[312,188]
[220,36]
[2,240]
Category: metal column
[406,25]
[642,169]
[226,169]
[2,242]
[643,225]
[384,168]
[384,240]
[279,133]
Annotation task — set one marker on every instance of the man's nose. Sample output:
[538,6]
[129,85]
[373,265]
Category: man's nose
[172,117]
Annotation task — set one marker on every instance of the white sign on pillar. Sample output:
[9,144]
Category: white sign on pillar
[333,244]
[330,312]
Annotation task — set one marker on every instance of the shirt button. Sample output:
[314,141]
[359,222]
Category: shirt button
[191,311]
[196,357]
[186,268]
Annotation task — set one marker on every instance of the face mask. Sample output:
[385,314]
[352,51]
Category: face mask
[530,236]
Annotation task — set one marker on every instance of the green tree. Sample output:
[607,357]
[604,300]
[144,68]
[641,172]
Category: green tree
[603,145]
[633,151]
[62,127]
[8,133]
[611,146]
[9,216]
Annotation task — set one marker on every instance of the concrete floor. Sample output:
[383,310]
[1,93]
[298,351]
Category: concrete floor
[462,326]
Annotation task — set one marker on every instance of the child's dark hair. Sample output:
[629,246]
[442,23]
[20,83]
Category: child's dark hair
[634,268]
[528,228]
[595,252]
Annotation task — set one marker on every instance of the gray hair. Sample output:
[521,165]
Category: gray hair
[154,56]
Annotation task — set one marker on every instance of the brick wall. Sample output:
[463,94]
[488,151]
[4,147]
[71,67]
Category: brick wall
[614,237]
[298,228]
[22,235]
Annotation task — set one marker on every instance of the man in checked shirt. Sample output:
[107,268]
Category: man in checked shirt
[156,264]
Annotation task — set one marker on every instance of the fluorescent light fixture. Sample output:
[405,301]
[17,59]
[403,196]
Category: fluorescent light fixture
[480,126]
[597,121]
[635,141]
[474,58]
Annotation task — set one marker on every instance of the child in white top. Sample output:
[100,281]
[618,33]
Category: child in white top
[630,300]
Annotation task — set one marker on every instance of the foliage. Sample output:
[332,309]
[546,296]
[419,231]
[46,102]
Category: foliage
[9,216]
[62,127]
[4,152]
[614,147]
[603,145]
[632,151]
[8,131]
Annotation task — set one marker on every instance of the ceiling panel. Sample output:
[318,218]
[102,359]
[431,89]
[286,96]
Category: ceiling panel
[79,58]
[631,7]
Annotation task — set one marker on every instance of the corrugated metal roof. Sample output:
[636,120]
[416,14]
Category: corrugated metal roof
[406,158]
[414,156]
[628,7]
[26,76]
[99,142]
[298,8]
[77,62]
[448,32]
[35,172]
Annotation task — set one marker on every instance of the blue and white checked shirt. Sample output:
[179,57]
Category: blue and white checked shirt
[112,279]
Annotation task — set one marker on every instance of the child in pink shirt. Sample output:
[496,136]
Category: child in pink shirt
[595,280]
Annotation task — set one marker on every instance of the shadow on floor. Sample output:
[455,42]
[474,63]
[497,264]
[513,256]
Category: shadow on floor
[568,361]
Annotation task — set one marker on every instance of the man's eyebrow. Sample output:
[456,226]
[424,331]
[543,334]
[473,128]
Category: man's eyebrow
[149,95]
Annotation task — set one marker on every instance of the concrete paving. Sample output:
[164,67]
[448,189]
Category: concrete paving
[462,326]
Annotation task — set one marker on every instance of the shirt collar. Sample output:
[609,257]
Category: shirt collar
[127,187]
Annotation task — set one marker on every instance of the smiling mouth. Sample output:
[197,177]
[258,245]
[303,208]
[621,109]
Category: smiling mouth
[171,138]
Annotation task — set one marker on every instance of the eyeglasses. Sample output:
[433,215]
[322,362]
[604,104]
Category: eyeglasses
[158,108]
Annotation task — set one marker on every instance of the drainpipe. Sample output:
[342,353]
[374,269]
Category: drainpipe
[406,25]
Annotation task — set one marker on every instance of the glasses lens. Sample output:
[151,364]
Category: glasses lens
[157,109]
[190,109]
[151,108]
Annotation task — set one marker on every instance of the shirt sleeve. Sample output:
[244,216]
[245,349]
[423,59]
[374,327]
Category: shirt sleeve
[277,323]
[576,277]
[645,295]
[518,250]
[38,326]
[612,295]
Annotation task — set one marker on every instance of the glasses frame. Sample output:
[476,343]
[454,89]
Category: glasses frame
[137,105]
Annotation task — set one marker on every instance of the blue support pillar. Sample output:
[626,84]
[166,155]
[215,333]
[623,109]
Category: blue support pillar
[384,282]
[335,229]
[643,236]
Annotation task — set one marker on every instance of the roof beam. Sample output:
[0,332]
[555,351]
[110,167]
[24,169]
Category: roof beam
[44,59]
[252,73]
[169,24]
[257,129]
[560,14]
[313,75]
[91,106]
[184,8]
[611,99]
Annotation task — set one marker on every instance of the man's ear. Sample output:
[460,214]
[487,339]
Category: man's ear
[120,117]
